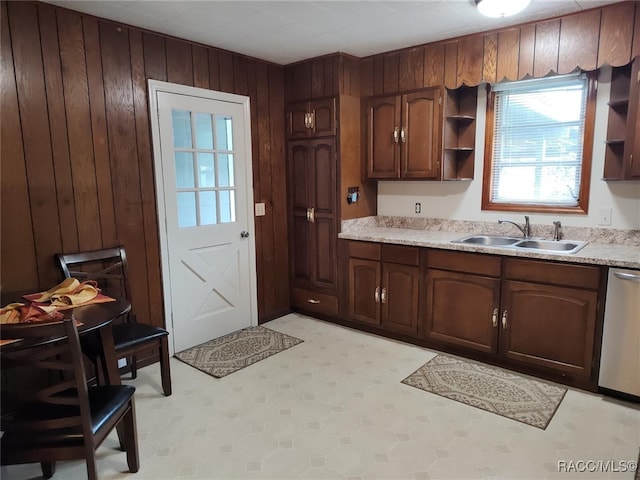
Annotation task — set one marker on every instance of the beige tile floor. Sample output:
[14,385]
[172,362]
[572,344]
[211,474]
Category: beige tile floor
[333,407]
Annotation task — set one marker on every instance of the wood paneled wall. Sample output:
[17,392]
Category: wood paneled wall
[327,76]
[587,40]
[77,166]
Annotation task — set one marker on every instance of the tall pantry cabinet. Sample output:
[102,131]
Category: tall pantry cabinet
[324,162]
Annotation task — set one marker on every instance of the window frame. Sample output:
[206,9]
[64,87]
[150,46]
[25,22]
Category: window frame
[587,153]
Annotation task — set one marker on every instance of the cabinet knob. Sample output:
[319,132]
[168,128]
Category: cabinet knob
[312,301]
[504,320]
[311,214]
[395,134]
[403,135]
[376,295]
[494,317]
[383,296]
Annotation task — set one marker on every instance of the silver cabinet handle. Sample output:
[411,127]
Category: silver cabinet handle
[312,301]
[312,214]
[627,276]
[376,295]
[403,135]
[395,135]
[504,320]
[383,296]
[494,317]
[312,118]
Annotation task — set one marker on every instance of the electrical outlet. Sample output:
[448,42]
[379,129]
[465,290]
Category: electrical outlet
[260,210]
[418,207]
[604,217]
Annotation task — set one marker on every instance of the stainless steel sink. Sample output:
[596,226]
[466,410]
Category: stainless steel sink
[487,240]
[557,246]
[538,245]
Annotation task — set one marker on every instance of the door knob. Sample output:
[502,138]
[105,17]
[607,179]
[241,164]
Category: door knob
[244,234]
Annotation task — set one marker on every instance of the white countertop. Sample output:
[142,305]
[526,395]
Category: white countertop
[610,254]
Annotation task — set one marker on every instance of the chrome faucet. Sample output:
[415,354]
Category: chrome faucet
[557,231]
[526,230]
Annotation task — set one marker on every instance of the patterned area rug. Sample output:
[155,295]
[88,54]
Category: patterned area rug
[492,389]
[228,354]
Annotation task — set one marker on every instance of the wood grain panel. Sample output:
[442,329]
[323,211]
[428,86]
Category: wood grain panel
[200,67]
[405,75]
[278,217]
[635,48]
[18,269]
[317,77]
[616,34]
[225,62]
[99,130]
[214,70]
[470,60]
[155,56]
[240,75]
[391,72]
[344,75]
[57,116]
[76,99]
[378,75]
[32,103]
[579,36]
[114,43]
[179,62]
[527,48]
[366,77]
[490,58]
[330,76]
[411,68]
[451,64]
[433,65]
[546,48]
[147,186]
[508,49]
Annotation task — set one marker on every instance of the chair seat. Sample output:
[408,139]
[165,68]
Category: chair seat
[129,334]
[104,402]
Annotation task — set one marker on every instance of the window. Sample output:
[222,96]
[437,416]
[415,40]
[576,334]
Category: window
[538,145]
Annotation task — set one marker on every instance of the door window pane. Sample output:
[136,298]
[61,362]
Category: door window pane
[205,170]
[227,206]
[224,134]
[208,214]
[204,131]
[184,170]
[181,128]
[225,170]
[186,209]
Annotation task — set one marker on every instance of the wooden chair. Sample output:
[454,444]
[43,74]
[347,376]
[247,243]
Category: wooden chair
[65,419]
[109,268]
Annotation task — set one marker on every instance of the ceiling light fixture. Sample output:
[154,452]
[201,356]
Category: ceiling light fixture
[501,8]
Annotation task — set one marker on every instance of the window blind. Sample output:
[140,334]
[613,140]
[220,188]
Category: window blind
[537,141]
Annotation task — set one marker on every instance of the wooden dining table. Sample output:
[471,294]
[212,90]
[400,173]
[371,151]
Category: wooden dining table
[96,319]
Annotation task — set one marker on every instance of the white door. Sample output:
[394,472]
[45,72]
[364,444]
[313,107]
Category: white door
[204,191]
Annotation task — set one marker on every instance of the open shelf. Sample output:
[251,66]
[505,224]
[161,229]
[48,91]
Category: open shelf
[459,133]
[614,168]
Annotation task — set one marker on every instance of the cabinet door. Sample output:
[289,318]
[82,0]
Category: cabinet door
[461,309]
[322,198]
[399,298]
[299,166]
[364,282]
[420,136]
[323,113]
[296,115]
[548,326]
[383,137]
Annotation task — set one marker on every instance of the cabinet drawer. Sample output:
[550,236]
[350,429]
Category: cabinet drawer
[400,254]
[368,250]
[314,302]
[477,263]
[582,276]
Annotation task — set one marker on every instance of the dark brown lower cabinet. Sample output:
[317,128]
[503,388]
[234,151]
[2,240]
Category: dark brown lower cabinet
[383,286]
[536,313]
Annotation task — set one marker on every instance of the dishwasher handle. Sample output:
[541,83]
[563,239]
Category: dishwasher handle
[627,276]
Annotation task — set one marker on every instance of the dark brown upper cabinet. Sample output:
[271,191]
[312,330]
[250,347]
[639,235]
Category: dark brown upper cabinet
[622,154]
[404,135]
[315,118]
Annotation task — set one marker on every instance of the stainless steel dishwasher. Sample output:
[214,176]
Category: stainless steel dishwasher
[620,357]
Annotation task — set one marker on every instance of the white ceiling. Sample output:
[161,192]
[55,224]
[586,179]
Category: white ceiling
[288,31]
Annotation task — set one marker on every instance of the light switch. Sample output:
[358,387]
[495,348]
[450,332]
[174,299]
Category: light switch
[260,209]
